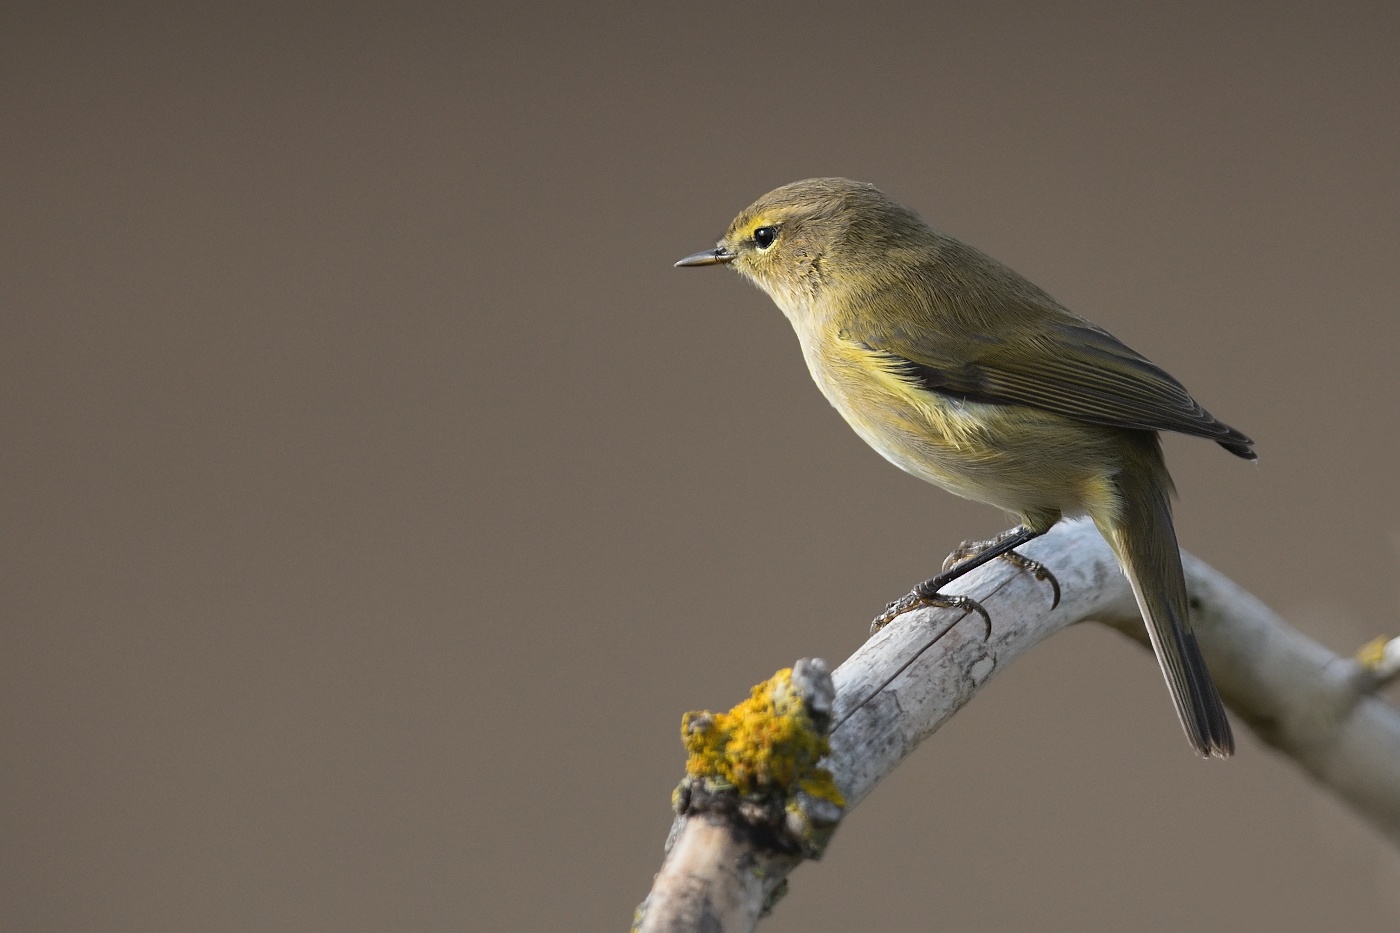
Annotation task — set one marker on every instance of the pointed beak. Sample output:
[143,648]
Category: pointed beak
[710,257]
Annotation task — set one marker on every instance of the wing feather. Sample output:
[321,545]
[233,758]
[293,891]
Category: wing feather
[1071,368]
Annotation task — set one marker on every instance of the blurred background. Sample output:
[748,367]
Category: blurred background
[377,497]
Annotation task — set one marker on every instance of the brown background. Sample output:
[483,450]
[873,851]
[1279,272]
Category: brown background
[376,497]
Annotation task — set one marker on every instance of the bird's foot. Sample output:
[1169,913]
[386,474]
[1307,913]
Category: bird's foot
[921,596]
[971,549]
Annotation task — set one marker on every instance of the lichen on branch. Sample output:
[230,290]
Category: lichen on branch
[770,743]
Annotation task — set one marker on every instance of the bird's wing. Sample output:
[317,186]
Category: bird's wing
[1063,365]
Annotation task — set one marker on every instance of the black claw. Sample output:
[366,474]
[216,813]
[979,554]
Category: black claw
[961,553]
[1036,569]
[968,604]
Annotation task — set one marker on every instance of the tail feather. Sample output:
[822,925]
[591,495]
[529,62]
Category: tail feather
[1142,537]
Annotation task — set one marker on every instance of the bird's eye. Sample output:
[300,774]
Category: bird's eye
[763,237]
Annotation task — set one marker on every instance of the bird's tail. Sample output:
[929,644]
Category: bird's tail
[1142,536]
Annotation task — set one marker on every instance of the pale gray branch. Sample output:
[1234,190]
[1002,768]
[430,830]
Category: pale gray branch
[902,684]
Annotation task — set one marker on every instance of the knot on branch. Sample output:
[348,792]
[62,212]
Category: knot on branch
[759,763]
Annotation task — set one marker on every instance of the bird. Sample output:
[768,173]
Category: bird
[960,371]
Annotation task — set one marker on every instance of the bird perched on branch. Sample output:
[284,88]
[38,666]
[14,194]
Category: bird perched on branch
[960,371]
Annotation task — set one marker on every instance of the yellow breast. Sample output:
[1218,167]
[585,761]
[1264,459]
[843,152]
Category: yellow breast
[982,451]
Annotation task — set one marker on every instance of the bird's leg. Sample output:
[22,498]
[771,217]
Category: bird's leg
[927,593]
[970,549]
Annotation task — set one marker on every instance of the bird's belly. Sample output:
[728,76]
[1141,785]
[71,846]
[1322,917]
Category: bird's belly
[1017,458]
[957,456]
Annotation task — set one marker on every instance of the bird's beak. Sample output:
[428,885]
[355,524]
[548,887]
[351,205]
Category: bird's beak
[710,257]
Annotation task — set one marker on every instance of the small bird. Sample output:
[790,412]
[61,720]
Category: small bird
[963,373]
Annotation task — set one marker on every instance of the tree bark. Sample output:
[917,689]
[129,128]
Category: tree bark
[1317,708]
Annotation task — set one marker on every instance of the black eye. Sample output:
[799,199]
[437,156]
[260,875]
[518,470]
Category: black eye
[763,237]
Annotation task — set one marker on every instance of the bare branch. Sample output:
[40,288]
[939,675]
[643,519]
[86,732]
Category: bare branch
[901,685]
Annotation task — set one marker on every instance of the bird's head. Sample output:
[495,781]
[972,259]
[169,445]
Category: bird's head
[808,237]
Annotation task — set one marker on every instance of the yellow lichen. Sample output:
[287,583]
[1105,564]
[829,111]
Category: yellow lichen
[767,743]
[1372,654]
[821,785]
